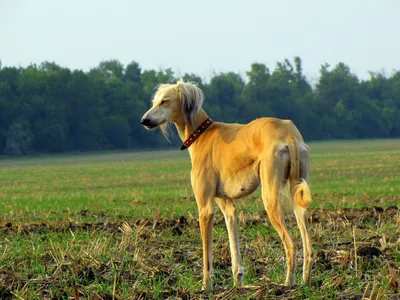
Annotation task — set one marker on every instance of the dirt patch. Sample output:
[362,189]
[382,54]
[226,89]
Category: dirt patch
[358,217]
[174,225]
[369,252]
[355,215]
[5,293]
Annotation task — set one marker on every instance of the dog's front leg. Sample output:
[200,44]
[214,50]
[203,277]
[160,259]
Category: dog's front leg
[204,191]
[228,208]
[206,216]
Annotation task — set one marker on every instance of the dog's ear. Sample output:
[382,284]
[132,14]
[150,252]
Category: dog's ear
[191,98]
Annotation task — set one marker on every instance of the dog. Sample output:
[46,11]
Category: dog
[229,161]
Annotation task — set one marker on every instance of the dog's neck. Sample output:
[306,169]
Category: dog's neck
[184,130]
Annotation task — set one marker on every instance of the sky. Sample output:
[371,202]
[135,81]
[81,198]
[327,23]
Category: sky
[202,37]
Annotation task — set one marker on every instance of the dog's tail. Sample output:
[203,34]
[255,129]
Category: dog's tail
[300,190]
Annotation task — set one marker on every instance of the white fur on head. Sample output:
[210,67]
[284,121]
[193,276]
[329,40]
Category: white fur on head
[192,98]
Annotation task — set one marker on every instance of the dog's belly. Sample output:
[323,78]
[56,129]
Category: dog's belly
[241,184]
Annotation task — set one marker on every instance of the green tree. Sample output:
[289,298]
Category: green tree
[116,129]
[85,103]
[133,73]
[51,138]
[19,139]
[225,96]
[338,84]
[111,69]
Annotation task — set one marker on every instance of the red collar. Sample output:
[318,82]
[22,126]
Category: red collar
[190,140]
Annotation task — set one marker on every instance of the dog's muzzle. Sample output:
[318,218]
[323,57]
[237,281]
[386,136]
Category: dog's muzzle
[145,122]
[148,123]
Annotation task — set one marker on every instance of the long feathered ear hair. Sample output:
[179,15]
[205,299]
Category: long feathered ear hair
[192,98]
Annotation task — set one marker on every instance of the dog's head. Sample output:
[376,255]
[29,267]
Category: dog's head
[174,103]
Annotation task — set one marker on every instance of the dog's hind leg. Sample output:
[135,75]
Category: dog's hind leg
[303,192]
[273,174]
[228,208]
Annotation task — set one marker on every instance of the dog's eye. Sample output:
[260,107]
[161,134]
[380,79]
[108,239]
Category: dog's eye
[165,101]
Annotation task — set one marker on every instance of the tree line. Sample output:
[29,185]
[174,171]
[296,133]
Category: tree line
[48,108]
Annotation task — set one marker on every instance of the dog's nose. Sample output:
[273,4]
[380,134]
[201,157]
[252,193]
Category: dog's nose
[145,122]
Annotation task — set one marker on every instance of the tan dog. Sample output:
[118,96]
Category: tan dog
[229,161]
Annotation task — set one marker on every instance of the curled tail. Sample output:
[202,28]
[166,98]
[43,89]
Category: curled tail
[300,190]
[302,194]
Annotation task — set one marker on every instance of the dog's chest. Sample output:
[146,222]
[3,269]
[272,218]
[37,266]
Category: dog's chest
[238,185]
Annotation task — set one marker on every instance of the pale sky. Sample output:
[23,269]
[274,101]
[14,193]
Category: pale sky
[202,37]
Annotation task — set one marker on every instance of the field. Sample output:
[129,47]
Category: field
[124,226]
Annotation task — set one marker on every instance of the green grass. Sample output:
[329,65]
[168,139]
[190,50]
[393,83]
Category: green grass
[344,174]
[62,232]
